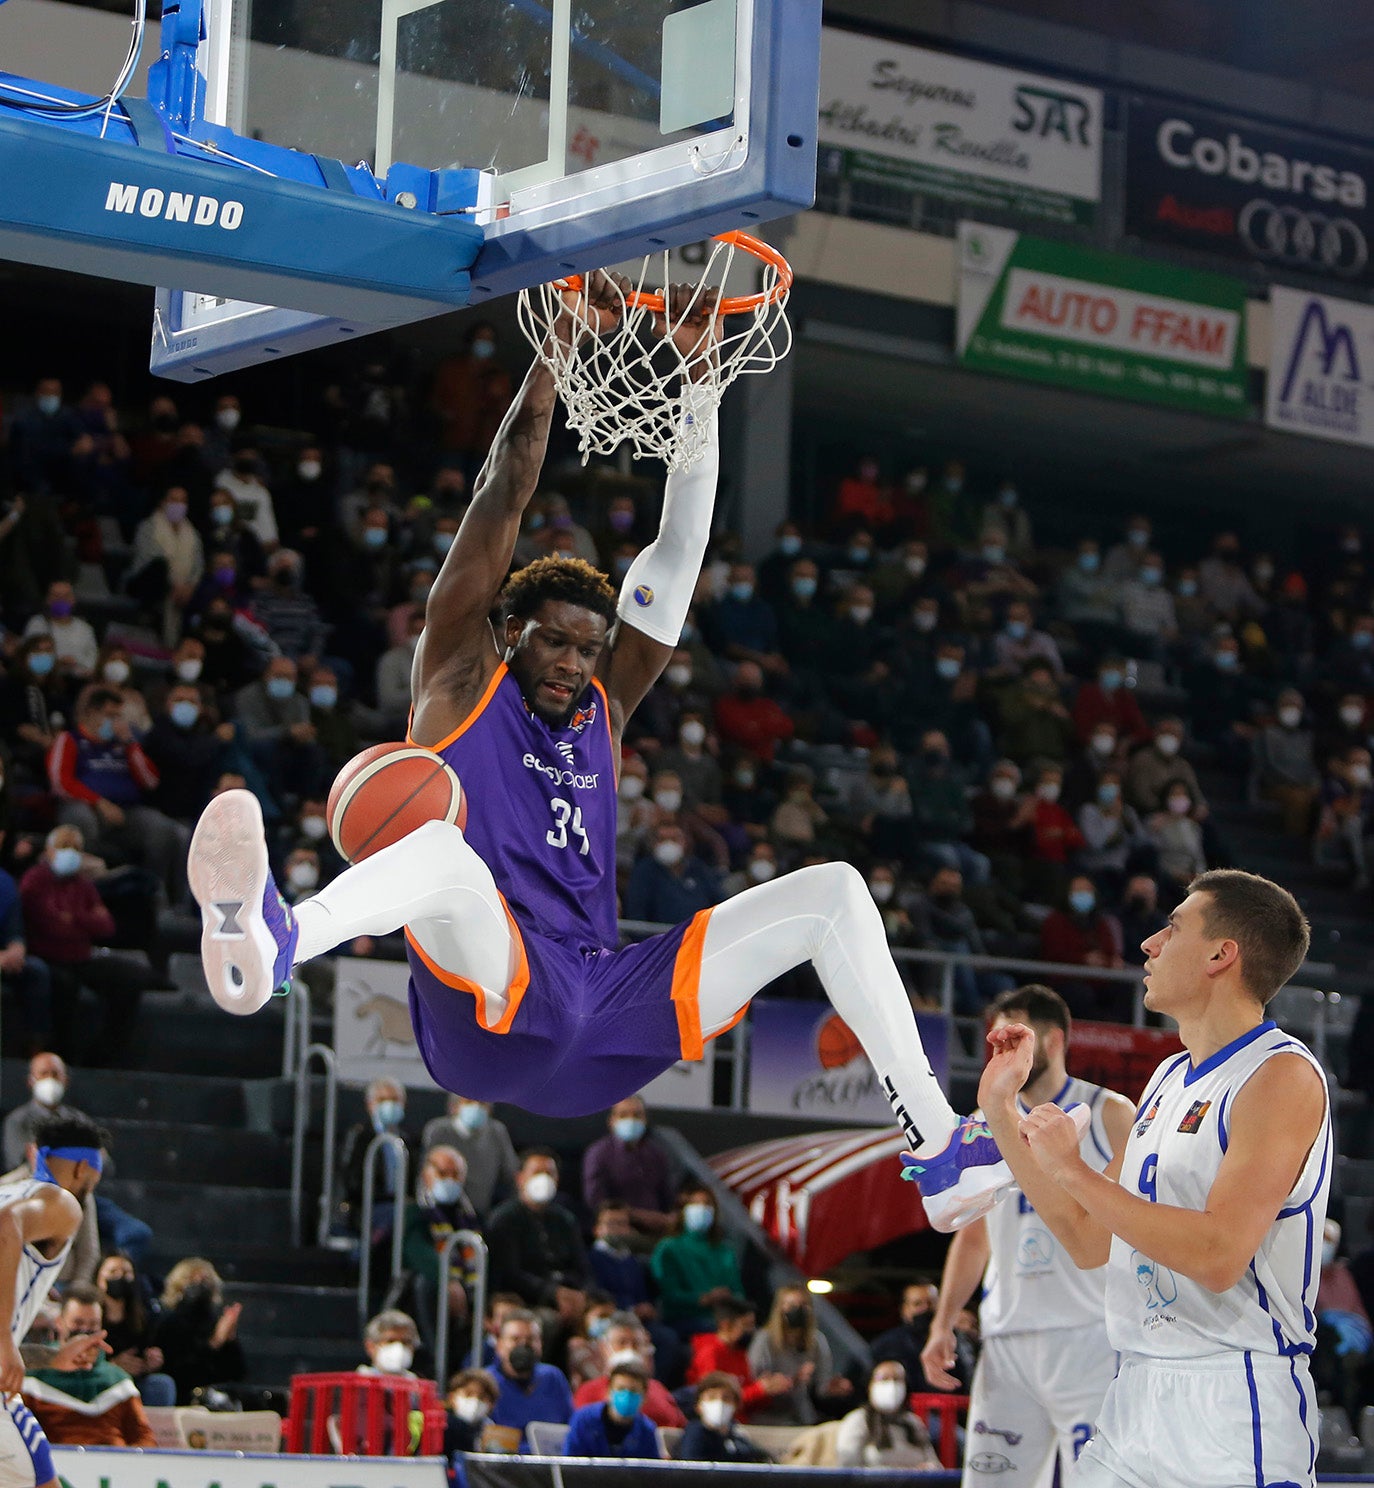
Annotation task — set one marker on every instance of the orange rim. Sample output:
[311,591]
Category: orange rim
[732,304]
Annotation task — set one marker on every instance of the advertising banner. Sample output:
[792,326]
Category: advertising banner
[584,1472]
[111,1467]
[1118,1056]
[989,137]
[1249,191]
[374,1039]
[1319,352]
[805,1061]
[1100,322]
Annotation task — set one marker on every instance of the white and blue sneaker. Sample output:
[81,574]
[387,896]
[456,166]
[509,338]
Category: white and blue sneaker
[969,1176]
[248,935]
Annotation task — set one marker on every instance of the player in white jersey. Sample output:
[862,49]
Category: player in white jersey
[1046,1361]
[39,1217]
[1210,1222]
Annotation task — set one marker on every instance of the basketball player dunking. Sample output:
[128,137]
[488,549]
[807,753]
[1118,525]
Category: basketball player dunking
[518,992]
[1210,1221]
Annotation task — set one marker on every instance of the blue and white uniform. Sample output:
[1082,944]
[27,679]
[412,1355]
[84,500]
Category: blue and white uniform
[1046,1362]
[24,1456]
[1214,1388]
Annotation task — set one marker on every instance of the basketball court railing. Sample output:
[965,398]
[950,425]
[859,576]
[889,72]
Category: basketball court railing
[299,1127]
[383,1142]
[477,1299]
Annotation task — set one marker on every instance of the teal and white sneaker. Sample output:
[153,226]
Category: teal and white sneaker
[968,1178]
[248,935]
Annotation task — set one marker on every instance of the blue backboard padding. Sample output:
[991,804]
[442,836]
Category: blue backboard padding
[279,245]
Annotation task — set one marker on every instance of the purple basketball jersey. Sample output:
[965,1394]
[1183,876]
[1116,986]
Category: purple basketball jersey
[542,810]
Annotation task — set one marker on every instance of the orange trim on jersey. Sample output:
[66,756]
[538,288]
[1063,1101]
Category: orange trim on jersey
[468,722]
[687,986]
[606,709]
[515,992]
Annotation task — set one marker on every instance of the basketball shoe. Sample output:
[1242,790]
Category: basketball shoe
[248,933]
[969,1176]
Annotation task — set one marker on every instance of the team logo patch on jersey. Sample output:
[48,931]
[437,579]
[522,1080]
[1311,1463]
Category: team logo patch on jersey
[582,717]
[1193,1120]
[644,596]
[1143,1125]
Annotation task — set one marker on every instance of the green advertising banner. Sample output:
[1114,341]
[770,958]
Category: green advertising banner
[1100,322]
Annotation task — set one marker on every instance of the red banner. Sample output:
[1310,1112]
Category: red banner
[1119,1056]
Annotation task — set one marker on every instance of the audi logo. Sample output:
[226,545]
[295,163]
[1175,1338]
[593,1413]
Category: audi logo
[1292,236]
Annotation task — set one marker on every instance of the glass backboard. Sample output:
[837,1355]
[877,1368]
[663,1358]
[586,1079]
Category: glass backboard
[601,129]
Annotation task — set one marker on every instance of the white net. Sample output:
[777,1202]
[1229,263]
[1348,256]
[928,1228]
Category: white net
[630,384]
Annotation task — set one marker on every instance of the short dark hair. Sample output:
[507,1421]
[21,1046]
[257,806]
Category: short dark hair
[718,1379]
[100,697]
[478,1377]
[1263,919]
[71,1130]
[571,580]
[85,1292]
[1039,1004]
[730,1309]
[631,1369]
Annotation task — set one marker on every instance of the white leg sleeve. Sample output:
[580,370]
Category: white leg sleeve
[435,884]
[826,915]
[657,592]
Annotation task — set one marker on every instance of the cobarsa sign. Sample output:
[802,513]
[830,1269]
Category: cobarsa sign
[1182,146]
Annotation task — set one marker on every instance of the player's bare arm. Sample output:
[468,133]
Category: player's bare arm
[1086,1239]
[457,652]
[45,1220]
[1273,1123]
[965,1262]
[634,661]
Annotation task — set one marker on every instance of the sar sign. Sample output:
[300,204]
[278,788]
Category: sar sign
[1100,322]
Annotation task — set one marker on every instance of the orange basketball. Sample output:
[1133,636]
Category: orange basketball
[386,792]
[836,1045]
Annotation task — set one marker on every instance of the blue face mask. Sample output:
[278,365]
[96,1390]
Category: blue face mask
[1361,639]
[374,537]
[184,713]
[993,553]
[446,1190]
[1150,576]
[221,516]
[948,667]
[1110,681]
[742,592]
[280,688]
[471,1118]
[628,1128]
[1089,562]
[105,730]
[625,1403]
[698,1218]
[1108,792]
[1017,629]
[42,662]
[443,541]
[859,556]
[789,545]
[1227,661]
[324,697]
[599,1327]
[1081,901]
[804,588]
[48,404]
[388,1114]
[66,861]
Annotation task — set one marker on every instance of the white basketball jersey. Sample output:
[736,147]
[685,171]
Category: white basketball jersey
[1031,1283]
[36,1273]
[1172,1157]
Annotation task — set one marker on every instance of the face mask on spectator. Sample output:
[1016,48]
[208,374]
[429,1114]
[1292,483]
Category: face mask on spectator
[59,609]
[1187,588]
[1290,717]
[308,470]
[762,869]
[443,541]
[1329,1249]
[1180,805]
[631,788]
[49,1091]
[1108,792]
[881,889]
[1352,717]
[621,521]
[745,777]
[1017,629]
[993,553]
[280,688]
[176,511]
[389,1113]
[1003,787]
[1007,495]
[948,667]
[324,696]
[540,1188]
[303,876]
[599,1327]
[446,1190]
[1089,562]
[1110,680]
[522,1359]
[48,404]
[42,662]
[668,800]
[693,733]
[1138,536]
[717,1413]
[116,672]
[66,861]
[668,853]
[629,1128]
[924,620]
[1360,776]
[393,1358]
[374,537]
[1048,790]
[1263,572]
[886,1395]
[859,555]
[742,592]
[1167,744]
[795,1317]
[678,676]
[861,614]
[1150,575]
[221,515]
[626,1403]
[1081,901]
[471,1117]
[804,586]
[105,730]
[789,545]
[1360,639]
[1227,661]
[189,670]
[184,713]
[1104,744]
[698,1218]
[119,1288]
[228,419]
[484,350]
[915,565]
[470,1408]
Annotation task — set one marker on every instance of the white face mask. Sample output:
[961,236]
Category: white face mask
[762,869]
[1352,717]
[303,875]
[314,827]
[189,671]
[678,676]
[116,672]
[1103,744]
[717,1413]
[1180,805]
[1003,787]
[1290,717]
[693,733]
[1048,791]
[1359,775]
[540,1188]
[470,1408]
[924,619]
[668,800]
[1167,744]
[668,853]
[915,566]
[881,890]
[1328,1251]
[309,470]
[49,1091]
[861,614]
[623,1356]
[393,1358]
[886,1395]
[631,788]
[228,419]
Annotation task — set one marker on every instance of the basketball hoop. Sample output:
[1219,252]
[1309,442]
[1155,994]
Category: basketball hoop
[631,385]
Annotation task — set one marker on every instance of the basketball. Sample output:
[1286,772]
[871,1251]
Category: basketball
[385,793]
[836,1045]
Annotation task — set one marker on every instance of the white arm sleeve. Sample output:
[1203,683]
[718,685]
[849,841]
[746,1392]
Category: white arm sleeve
[657,592]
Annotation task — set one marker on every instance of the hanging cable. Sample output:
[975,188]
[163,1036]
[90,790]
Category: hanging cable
[56,110]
